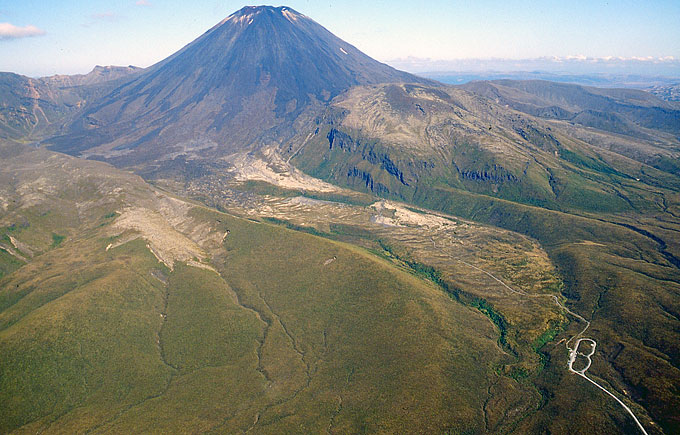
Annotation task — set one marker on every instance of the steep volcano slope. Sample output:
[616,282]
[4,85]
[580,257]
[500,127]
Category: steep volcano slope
[258,69]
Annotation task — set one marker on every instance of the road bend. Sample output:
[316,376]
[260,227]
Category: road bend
[573,351]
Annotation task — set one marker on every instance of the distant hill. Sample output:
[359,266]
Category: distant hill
[593,107]
[666,92]
[98,75]
[630,81]
[38,107]
[404,140]
[28,104]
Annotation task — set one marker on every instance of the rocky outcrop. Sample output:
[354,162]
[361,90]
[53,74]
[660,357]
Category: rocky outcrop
[367,179]
[343,141]
[494,174]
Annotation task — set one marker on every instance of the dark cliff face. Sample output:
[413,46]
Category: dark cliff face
[259,67]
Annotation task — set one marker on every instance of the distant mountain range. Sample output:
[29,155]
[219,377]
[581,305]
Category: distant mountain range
[632,81]
[270,78]
[559,65]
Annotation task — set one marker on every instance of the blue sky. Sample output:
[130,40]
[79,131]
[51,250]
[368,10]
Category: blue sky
[42,37]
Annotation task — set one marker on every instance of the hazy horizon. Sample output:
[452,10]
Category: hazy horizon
[653,67]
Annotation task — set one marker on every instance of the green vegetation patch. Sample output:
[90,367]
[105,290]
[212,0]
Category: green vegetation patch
[583,161]
[78,334]
[8,263]
[292,226]
[421,270]
[57,239]
[203,325]
[555,327]
[264,188]
[496,318]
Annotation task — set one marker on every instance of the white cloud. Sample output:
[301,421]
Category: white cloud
[10,31]
[107,16]
[143,3]
[576,57]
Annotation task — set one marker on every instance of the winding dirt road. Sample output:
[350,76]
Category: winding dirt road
[573,351]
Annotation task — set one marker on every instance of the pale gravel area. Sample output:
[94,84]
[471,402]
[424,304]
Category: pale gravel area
[170,231]
[12,252]
[23,247]
[166,243]
[276,171]
[35,191]
[402,216]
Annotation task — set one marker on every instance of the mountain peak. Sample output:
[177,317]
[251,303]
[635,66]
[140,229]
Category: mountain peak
[249,14]
[257,69]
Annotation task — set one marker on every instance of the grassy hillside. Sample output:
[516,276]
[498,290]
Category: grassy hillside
[533,390]
[402,140]
[606,217]
[308,317]
[625,282]
[263,328]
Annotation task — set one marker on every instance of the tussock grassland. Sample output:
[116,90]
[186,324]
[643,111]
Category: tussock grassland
[276,338]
